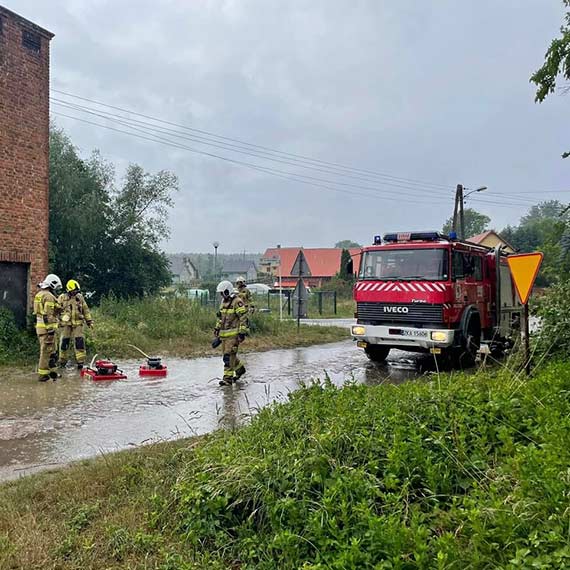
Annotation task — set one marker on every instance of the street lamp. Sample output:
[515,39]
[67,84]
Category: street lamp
[216,244]
[481,189]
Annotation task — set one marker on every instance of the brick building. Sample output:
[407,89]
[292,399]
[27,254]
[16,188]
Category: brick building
[24,160]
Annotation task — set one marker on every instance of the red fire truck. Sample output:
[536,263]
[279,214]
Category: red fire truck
[427,292]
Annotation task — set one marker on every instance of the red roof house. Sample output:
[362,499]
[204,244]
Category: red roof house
[324,264]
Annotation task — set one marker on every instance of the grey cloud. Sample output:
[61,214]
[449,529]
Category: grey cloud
[434,91]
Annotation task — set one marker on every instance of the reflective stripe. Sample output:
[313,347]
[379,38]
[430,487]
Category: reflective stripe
[41,325]
[241,310]
[228,333]
[227,311]
[43,371]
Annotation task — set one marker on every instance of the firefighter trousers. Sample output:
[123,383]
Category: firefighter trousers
[69,333]
[233,367]
[48,355]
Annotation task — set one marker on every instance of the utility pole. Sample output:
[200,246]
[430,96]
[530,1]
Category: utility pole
[459,210]
[458,215]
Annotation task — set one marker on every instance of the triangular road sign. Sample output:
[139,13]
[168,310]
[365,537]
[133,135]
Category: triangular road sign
[301,267]
[524,269]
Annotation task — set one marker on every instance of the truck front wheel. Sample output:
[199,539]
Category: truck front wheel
[377,352]
[466,354]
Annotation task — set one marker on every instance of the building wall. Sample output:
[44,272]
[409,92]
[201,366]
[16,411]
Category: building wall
[492,240]
[24,145]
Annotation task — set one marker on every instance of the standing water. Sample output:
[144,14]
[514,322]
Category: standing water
[47,424]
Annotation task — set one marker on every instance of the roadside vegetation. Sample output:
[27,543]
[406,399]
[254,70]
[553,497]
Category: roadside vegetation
[174,326]
[458,472]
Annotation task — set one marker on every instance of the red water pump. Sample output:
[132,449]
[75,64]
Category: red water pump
[103,370]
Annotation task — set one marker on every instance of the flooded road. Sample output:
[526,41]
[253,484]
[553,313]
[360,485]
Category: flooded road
[43,425]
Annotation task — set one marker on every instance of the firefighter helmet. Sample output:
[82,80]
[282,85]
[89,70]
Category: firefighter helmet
[72,285]
[240,279]
[51,282]
[225,287]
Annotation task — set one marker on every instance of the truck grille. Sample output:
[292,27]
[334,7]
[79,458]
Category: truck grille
[410,313]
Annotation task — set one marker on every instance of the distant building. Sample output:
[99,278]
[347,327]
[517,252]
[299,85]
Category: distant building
[233,269]
[324,264]
[24,160]
[182,269]
[491,239]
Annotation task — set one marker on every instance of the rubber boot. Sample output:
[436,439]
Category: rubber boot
[225,382]
[54,375]
[43,378]
[79,366]
[239,372]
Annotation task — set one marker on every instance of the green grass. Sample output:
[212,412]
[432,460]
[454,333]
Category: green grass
[177,327]
[463,472]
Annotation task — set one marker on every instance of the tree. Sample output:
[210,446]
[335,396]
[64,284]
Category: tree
[475,223]
[344,259]
[347,244]
[541,229]
[107,237]
[556,63]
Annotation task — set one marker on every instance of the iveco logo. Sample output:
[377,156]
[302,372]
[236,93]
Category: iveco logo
[396,309]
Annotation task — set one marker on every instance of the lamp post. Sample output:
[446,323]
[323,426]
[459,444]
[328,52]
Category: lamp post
[216,244]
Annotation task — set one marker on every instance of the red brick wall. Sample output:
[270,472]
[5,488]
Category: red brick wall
[24,146]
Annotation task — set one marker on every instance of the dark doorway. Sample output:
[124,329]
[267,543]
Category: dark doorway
[14,289]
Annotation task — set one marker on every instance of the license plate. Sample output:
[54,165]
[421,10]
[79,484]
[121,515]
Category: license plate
[420,334]
[435,350]
[361,344]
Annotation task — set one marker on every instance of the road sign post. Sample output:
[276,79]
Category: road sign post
[524,269]
[300,269]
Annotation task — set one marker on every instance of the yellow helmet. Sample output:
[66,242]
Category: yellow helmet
[72,285]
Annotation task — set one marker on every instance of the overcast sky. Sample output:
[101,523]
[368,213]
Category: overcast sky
[434,92]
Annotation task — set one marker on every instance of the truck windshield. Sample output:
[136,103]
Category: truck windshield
[405,264]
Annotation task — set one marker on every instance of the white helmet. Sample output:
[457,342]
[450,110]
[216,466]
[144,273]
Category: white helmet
[240,279]
[51,282]
[225,287]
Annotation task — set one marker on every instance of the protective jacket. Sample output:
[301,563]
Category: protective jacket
[232,317]
[74,310]
[46,310]
[245,295]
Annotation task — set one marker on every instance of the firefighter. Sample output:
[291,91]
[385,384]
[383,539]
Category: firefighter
[46,310]
[231,328]
[245,294]
[74,313]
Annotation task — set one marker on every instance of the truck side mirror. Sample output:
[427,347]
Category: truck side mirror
[350,267]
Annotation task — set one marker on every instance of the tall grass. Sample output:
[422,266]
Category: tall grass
[184,327]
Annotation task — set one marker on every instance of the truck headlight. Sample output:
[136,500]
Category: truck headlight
[358,330]
[439,336]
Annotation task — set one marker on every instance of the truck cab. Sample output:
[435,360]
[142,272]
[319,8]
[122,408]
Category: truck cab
[426,292]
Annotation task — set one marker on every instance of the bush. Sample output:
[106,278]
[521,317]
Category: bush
[460,473]
[553,309]
[15,344]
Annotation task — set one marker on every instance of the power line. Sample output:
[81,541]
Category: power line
[271,171]
[125,121]
[246,148]
[261,147]
[309,180]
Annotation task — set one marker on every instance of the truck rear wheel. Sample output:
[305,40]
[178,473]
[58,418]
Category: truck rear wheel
[377,352]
